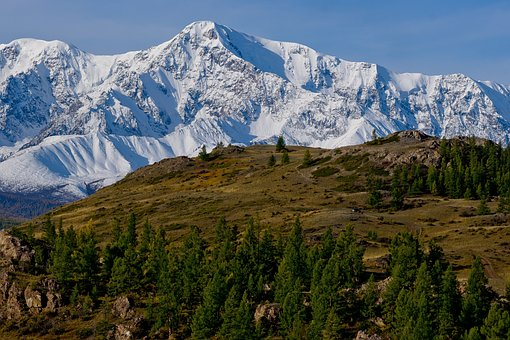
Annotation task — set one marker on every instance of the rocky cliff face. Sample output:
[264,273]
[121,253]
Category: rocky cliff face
[71,122]
[18,297]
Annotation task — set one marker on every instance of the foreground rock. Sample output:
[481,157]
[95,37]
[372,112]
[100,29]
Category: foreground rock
[14,253]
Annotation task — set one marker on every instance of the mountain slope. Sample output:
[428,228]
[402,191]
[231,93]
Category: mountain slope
[71,122]
[237,183]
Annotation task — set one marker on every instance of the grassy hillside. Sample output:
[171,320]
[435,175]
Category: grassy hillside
[331,191]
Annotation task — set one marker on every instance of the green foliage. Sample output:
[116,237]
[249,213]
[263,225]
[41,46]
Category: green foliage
[203,155]
[450,302]
[200,290]
[293,267]
[237,319]
[374,199]
[483,209]
[280,144]
[50,233]
[497,323]
[307,159]
[206,321]
[476,303]
[285,157]
[271,161]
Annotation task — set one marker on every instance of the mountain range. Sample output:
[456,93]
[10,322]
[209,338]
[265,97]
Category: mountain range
[72,122]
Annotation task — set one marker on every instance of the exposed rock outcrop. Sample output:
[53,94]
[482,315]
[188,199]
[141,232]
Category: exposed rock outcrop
[269,312]
[15,306]
[14,253]
[363,335]
[122,308]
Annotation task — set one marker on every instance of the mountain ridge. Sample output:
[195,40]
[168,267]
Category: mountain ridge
[80,121]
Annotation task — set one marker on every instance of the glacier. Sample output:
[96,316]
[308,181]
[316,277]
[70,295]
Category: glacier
[72,122]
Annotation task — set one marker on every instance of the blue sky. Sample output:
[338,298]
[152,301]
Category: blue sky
[433,37]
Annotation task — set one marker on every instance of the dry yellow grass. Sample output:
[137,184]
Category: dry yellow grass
[238,184]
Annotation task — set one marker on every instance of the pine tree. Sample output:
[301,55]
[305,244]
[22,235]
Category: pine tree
[374,199]
[449,305]
[370,297]
[293,266]
[497,323]
[477,300]
[87,261]
[280,144]
[206,320]
[293,309]
[483,209]
[237,318]
[203,155]
[271,161]
[320,302]
[307,159]
[473,334]
[405,313]
[50,233]
[131,231]
[285,157]
[192,268]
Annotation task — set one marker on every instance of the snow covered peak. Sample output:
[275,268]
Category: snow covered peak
[81,120]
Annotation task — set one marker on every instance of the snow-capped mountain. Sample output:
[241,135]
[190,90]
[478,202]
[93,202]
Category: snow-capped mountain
[71,121]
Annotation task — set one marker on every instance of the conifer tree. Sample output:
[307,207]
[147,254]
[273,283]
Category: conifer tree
[50,233]
[294,264]
[483,209]
[449,305]
[307,159]
[497,323]
[237,318]
[271,161]
[192,268]
[370,297]
[477,300]
[206,320]
[285,157]
[131,231]
[293,313]
[280,144]
[203,155]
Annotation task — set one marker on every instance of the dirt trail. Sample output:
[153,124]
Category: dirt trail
[489,270]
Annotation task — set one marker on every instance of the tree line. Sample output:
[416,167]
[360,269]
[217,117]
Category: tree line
[466,169]
[203,289]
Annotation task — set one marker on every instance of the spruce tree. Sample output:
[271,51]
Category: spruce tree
[293,266]
[497,323]
[271,161]
[50,233]
[206,321]
[293,313]
[476,302]
[280,144]
[237,318]
[449,306]
[203,155]
[483,209]
[307,159]
[370,297]
[285,157]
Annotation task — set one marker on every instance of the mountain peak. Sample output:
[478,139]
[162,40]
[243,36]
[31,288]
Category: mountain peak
[81,121]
